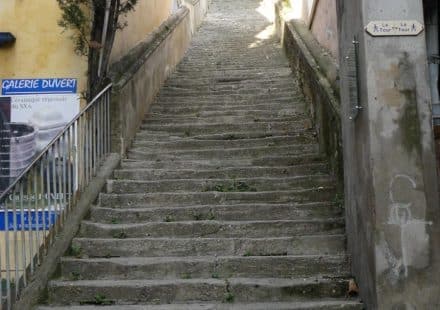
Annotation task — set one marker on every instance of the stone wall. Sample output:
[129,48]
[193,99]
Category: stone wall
[318,74]
[138,76]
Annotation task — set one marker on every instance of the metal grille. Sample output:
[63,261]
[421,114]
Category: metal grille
[36,205]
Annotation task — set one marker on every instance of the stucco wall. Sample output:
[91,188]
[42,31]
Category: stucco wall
[325,26]
[42,50]
[320,17]
[148,15]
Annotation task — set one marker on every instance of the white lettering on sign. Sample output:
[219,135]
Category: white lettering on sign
[394,28]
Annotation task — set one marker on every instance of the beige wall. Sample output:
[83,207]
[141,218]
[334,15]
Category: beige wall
[325,26]
[321,17]
[148,15]
[41,49]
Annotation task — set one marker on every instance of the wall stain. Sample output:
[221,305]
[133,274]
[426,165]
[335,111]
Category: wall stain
[409,121]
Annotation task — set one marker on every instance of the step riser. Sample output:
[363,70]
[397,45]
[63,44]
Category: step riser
[276,161]
[216,128]
[147,153]
[195,291]
[223,268]
[211,230]
[215,120]
[230,173]
[205,143]
[305,245]
[220,185]
[221,213]
[208,198]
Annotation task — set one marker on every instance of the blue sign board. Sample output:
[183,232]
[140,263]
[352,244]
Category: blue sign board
[11,87]
[36,221]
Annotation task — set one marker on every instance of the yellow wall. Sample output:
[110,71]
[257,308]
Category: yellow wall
[41,49]
[148,15]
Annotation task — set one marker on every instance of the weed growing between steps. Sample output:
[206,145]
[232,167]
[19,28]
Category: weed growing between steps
[236,186]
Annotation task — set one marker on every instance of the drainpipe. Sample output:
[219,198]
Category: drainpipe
[104,35]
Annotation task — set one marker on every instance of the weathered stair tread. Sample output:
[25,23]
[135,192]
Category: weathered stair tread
[324,244]
[192,290]
[326,304]
[318,194]
[234,212]
[231,172]
[220,267]
[253,184]
[212,228]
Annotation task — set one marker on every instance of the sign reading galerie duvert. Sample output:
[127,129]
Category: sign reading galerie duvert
[32,113]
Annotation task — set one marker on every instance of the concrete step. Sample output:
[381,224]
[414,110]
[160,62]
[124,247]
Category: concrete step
[321,304]
[170,199]
[253,184]
[281,101]
[221,173]
[163,136]
[141,153]
[145,268]
[177,108]
[235,212]
[210,141]
[195,128]
[195,290]
[213,229]
[259,114]
[264,161]
[159,247]
[223,119]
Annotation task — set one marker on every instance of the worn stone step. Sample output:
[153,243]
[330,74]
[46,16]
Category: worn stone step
[158,247]
[140,153]
[195,128]
[224,84]
[222,119]
[180,109]
[260,114]
[216,141]
[221,173]
[321,304]
[236,212]
[195,290]
[161,136]
[319,194]
[229,81]
[212,229]
[145,268]
[253,184]
[264,161]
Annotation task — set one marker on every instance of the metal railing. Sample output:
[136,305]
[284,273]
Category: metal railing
[38,202]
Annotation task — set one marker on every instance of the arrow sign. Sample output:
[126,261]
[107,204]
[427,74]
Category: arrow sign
[394,28]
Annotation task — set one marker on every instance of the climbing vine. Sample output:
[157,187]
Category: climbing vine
[86,18]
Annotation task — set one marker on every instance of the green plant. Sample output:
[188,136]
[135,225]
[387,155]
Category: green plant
[248,253]
[229,297]
[120,235]
[215,275]
[85,20]
[75,250]
[186,276]
[75,276]
[235,186]
[169,219]
[198,216]
[115,221]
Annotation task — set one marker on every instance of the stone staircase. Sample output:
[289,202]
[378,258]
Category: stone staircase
[224,201]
